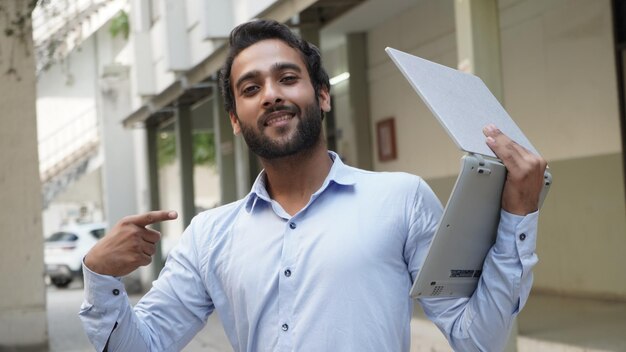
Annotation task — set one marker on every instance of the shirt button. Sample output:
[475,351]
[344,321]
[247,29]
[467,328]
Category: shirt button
[116,292]
[522,236]
[285,327]
[287,272]
[292,225]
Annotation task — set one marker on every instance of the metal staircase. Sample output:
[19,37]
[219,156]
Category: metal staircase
[69,153]
[73,148]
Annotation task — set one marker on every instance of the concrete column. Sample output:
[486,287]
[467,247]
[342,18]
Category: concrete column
[117,143]
[478,41]
[154,201]
[356,44]
[184,152]
[225,151]
[478,49]
[23,305]
[242,166]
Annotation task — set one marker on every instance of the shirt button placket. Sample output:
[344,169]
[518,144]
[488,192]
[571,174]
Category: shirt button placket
[286,289]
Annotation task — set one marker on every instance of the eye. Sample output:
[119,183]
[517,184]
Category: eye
[249,90]
[289,79]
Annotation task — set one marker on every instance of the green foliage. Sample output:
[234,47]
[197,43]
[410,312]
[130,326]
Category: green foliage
[203,148]
[120,25]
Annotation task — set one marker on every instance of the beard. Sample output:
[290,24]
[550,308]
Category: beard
[304,138]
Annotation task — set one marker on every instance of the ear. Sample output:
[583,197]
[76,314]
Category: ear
[324,100]
[234,121]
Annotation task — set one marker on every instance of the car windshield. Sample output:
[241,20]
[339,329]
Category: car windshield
[97,233]
[62,237]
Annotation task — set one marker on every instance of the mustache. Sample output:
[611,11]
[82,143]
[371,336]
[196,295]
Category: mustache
[292,109]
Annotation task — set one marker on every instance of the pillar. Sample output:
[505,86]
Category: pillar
[356,45]
[23,323]
[184,152]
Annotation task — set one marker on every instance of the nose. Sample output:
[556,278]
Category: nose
[271,95]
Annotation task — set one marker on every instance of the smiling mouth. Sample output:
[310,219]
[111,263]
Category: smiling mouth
[278,117]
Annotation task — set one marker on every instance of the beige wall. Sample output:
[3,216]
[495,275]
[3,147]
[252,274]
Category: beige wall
[427,31]
[559,75]
[560,87]
[22,307]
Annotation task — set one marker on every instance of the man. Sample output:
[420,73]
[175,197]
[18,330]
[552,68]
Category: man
[319,256]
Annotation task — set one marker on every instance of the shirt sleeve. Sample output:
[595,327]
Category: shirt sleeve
[165,319]
[483,321]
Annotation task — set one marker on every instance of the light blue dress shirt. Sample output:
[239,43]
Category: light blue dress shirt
[334,277]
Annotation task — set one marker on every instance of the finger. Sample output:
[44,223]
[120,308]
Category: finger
[144,259]
[148,248]
[512,154]
[527,161]
[150,235]
[151,217]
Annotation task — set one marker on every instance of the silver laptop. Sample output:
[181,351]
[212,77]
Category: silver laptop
[467,230]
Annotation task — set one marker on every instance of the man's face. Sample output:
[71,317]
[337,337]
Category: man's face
[276,108]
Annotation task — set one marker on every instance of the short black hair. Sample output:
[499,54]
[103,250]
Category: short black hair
[254,31]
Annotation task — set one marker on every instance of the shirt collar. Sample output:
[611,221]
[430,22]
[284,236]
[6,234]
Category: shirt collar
[339,173]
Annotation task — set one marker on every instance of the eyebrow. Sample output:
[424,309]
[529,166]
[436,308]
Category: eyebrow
[277,67]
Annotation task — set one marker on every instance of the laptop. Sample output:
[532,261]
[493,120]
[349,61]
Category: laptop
[463,105]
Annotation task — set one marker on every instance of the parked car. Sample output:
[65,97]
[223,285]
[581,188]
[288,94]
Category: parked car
[64,251]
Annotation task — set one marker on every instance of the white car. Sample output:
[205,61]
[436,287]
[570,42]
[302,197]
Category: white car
[64,251]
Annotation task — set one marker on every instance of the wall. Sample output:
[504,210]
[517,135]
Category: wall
[423,146]
[23,305]
[560,87]
[559,75]
[199,48]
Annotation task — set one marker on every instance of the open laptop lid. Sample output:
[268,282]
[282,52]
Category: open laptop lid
[460,101]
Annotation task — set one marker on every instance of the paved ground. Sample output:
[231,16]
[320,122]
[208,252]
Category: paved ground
[551,323]
[64,328]
[66,332]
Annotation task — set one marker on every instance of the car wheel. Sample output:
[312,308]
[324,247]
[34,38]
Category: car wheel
[61,283]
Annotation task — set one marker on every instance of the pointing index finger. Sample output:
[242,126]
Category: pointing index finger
[152,217]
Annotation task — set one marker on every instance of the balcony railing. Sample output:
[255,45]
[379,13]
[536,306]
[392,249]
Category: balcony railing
[69,143]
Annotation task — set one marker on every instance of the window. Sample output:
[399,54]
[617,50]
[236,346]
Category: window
[97,233]
[62,237]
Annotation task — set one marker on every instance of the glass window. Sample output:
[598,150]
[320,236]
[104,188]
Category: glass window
[98,233]
[62,237]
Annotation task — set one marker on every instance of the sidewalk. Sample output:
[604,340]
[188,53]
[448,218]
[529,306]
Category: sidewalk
[550,324]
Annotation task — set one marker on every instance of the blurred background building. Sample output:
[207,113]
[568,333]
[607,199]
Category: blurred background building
[128,118]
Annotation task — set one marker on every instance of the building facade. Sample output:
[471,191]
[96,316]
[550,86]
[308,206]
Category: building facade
[555,66]
[556,76]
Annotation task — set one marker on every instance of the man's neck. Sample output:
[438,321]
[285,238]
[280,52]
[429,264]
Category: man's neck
[292,180]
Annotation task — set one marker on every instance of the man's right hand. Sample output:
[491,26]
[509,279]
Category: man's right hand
[128,245]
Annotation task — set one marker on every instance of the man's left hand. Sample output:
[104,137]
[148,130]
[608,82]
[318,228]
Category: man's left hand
[525,172]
